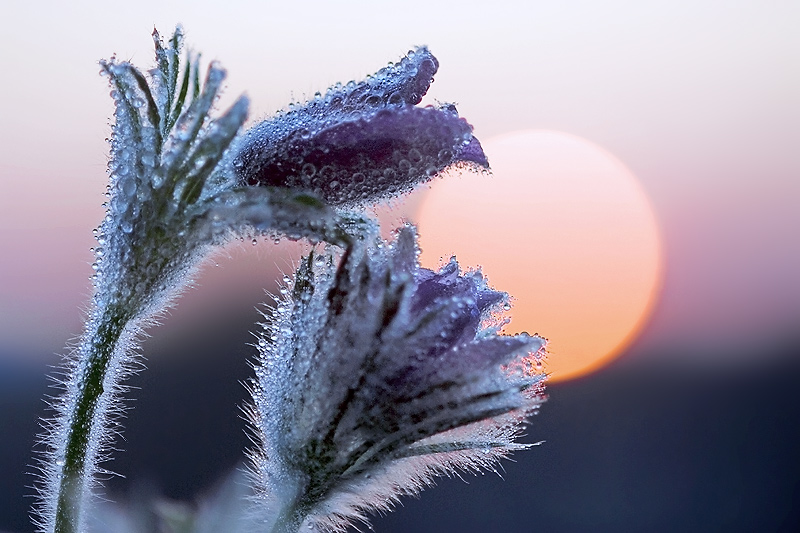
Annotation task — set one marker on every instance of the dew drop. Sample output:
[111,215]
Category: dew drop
[128,186]
[309,170]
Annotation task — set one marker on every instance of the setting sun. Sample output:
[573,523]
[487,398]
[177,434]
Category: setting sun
[566,229]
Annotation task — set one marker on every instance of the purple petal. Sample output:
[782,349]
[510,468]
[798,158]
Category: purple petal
[404,83]
[447,283]
[356,161]
[471,361]
[473,152]
[362,141]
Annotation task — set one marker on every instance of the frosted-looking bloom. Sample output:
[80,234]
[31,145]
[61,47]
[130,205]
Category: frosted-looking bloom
[361,141]
[180,182]
[376,375]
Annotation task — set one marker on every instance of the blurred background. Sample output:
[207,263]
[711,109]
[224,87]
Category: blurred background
[687,419]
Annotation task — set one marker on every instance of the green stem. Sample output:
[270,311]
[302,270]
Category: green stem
[96,352]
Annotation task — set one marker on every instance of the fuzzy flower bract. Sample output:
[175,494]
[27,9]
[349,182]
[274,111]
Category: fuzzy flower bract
[375,375]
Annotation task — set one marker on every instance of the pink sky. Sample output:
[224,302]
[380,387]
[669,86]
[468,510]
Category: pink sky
[698,99]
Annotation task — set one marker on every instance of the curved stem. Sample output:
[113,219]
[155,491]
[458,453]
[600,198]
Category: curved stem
[83,418]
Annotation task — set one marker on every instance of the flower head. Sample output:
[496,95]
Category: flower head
[377,374]
[361,141]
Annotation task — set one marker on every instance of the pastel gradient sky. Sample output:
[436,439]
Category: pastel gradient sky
[698,99]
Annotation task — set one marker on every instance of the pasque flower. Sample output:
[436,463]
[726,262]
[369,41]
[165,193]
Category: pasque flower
[360,142]
[376,375]
[182,181]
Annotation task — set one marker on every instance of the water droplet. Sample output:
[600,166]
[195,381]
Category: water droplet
[127,186]
[309,170]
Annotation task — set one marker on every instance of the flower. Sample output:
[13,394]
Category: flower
[361,142]
[182,180]
[374,376]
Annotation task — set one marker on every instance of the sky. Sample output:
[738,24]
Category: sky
[698,100]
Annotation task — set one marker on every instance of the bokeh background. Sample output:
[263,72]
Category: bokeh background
[695,426]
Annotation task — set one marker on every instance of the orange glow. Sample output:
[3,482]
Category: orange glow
[564,228]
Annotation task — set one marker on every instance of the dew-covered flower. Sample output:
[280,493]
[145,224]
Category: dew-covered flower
[181,180]
[376,375]
[361,142]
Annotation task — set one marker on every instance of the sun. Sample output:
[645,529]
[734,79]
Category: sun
[566,229]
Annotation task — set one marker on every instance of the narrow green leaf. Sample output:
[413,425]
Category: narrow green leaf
[176,111]
[172,80]
[199,108]
[196,78]
[162,56]
[152,108]
[211,149]
[126,105]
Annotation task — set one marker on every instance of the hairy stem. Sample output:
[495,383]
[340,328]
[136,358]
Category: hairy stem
[83,417]
[289,520]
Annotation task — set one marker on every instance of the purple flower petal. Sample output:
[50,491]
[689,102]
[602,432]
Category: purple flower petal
[360,142]
[447,283]
[473,152]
